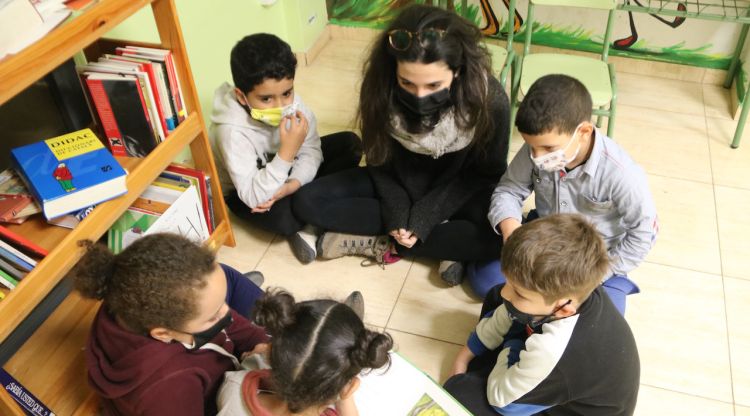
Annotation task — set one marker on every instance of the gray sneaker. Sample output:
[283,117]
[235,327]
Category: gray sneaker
[452,272]
[334,245]
[356,301]
[303,247]
[255,277]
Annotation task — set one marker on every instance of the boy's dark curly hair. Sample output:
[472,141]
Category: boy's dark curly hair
[317,347]
[150,284]
[258,57]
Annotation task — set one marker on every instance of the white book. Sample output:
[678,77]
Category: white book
[404,390]
[184,217]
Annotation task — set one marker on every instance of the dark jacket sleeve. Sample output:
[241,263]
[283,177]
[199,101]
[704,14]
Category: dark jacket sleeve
[394,201]
[482,169]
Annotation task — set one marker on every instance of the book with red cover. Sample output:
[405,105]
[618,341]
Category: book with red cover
[122,110]
[11,205]
[202,190]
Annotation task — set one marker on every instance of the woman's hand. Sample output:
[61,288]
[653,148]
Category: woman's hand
[404,237]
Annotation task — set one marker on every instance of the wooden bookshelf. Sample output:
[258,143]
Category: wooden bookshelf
[50,363]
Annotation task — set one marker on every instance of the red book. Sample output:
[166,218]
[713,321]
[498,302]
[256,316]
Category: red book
[201,180]
[21,243]
[106,117]
[12,204]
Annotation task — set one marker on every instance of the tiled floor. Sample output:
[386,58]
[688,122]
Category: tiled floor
[690,321]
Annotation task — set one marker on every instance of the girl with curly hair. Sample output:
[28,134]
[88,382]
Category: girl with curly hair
[164,335]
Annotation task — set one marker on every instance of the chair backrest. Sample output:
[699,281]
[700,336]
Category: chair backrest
[610,5]
[509,25]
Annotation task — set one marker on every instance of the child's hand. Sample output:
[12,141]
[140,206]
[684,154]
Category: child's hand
[461,362]
[347,407]
[292,133]
[289,187]
[264,207]
[404,237]
[507,226]
[261,348]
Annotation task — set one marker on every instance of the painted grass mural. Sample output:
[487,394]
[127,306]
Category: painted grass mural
[377,13]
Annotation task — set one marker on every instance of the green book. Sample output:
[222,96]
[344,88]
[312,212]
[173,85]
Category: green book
[7,280]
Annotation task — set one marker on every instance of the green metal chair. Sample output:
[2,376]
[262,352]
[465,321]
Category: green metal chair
[596,74]
[502,58]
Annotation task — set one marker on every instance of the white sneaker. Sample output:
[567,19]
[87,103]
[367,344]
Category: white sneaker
[303,244]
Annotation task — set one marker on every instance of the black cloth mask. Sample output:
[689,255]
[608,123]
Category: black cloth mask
[529,319]
[423,106]
[203,337]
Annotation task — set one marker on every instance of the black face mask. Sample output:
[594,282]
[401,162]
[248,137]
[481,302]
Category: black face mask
[203,337]
[530,320]
[424,106]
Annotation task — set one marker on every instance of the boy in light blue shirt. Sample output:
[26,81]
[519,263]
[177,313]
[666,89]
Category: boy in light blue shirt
[573,168]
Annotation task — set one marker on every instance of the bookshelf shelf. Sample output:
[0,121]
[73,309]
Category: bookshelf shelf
[50,363]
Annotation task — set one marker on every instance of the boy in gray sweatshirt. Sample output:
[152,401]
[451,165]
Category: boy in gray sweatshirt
[266,144]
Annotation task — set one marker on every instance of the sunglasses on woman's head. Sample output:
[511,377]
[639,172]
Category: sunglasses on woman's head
[401,39]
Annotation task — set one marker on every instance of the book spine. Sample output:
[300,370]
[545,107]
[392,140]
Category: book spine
[7,281]
[27,401]
[107,117]
[12,271]
[149,68]
[22,242]
[15,260]
[210,204]
[144,106]
[176,90]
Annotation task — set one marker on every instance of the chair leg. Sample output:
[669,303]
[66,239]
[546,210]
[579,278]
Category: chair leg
[599,118]
[741,122]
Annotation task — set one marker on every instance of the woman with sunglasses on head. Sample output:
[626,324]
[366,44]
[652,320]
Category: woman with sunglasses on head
[435,126]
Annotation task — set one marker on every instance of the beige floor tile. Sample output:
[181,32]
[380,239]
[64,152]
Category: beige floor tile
[741,411]
[336,279]
[252,244]
[429,355]
[688,235]
[678,323]
[427,307]
[660,94]
[734,229]
[737,293]
[665,143]
[718,102]
[654,401]
[731,167]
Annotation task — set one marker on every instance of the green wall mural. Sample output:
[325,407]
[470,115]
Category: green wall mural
[639,35]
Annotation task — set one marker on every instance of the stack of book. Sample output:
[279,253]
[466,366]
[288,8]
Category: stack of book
[177,202]
[136,96]
[16,202]
[16,258]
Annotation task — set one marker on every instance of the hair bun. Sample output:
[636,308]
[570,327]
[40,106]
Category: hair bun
[275,310]
[371,349]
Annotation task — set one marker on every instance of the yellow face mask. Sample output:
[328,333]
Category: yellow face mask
[272,116]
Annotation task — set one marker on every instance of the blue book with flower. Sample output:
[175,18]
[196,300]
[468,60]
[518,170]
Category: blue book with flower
[69,172]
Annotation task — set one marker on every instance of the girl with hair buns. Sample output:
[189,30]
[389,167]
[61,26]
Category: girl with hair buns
[435,126]
[164,335]
[317,349]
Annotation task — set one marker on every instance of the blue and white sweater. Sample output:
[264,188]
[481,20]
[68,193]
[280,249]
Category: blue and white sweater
[585,364]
